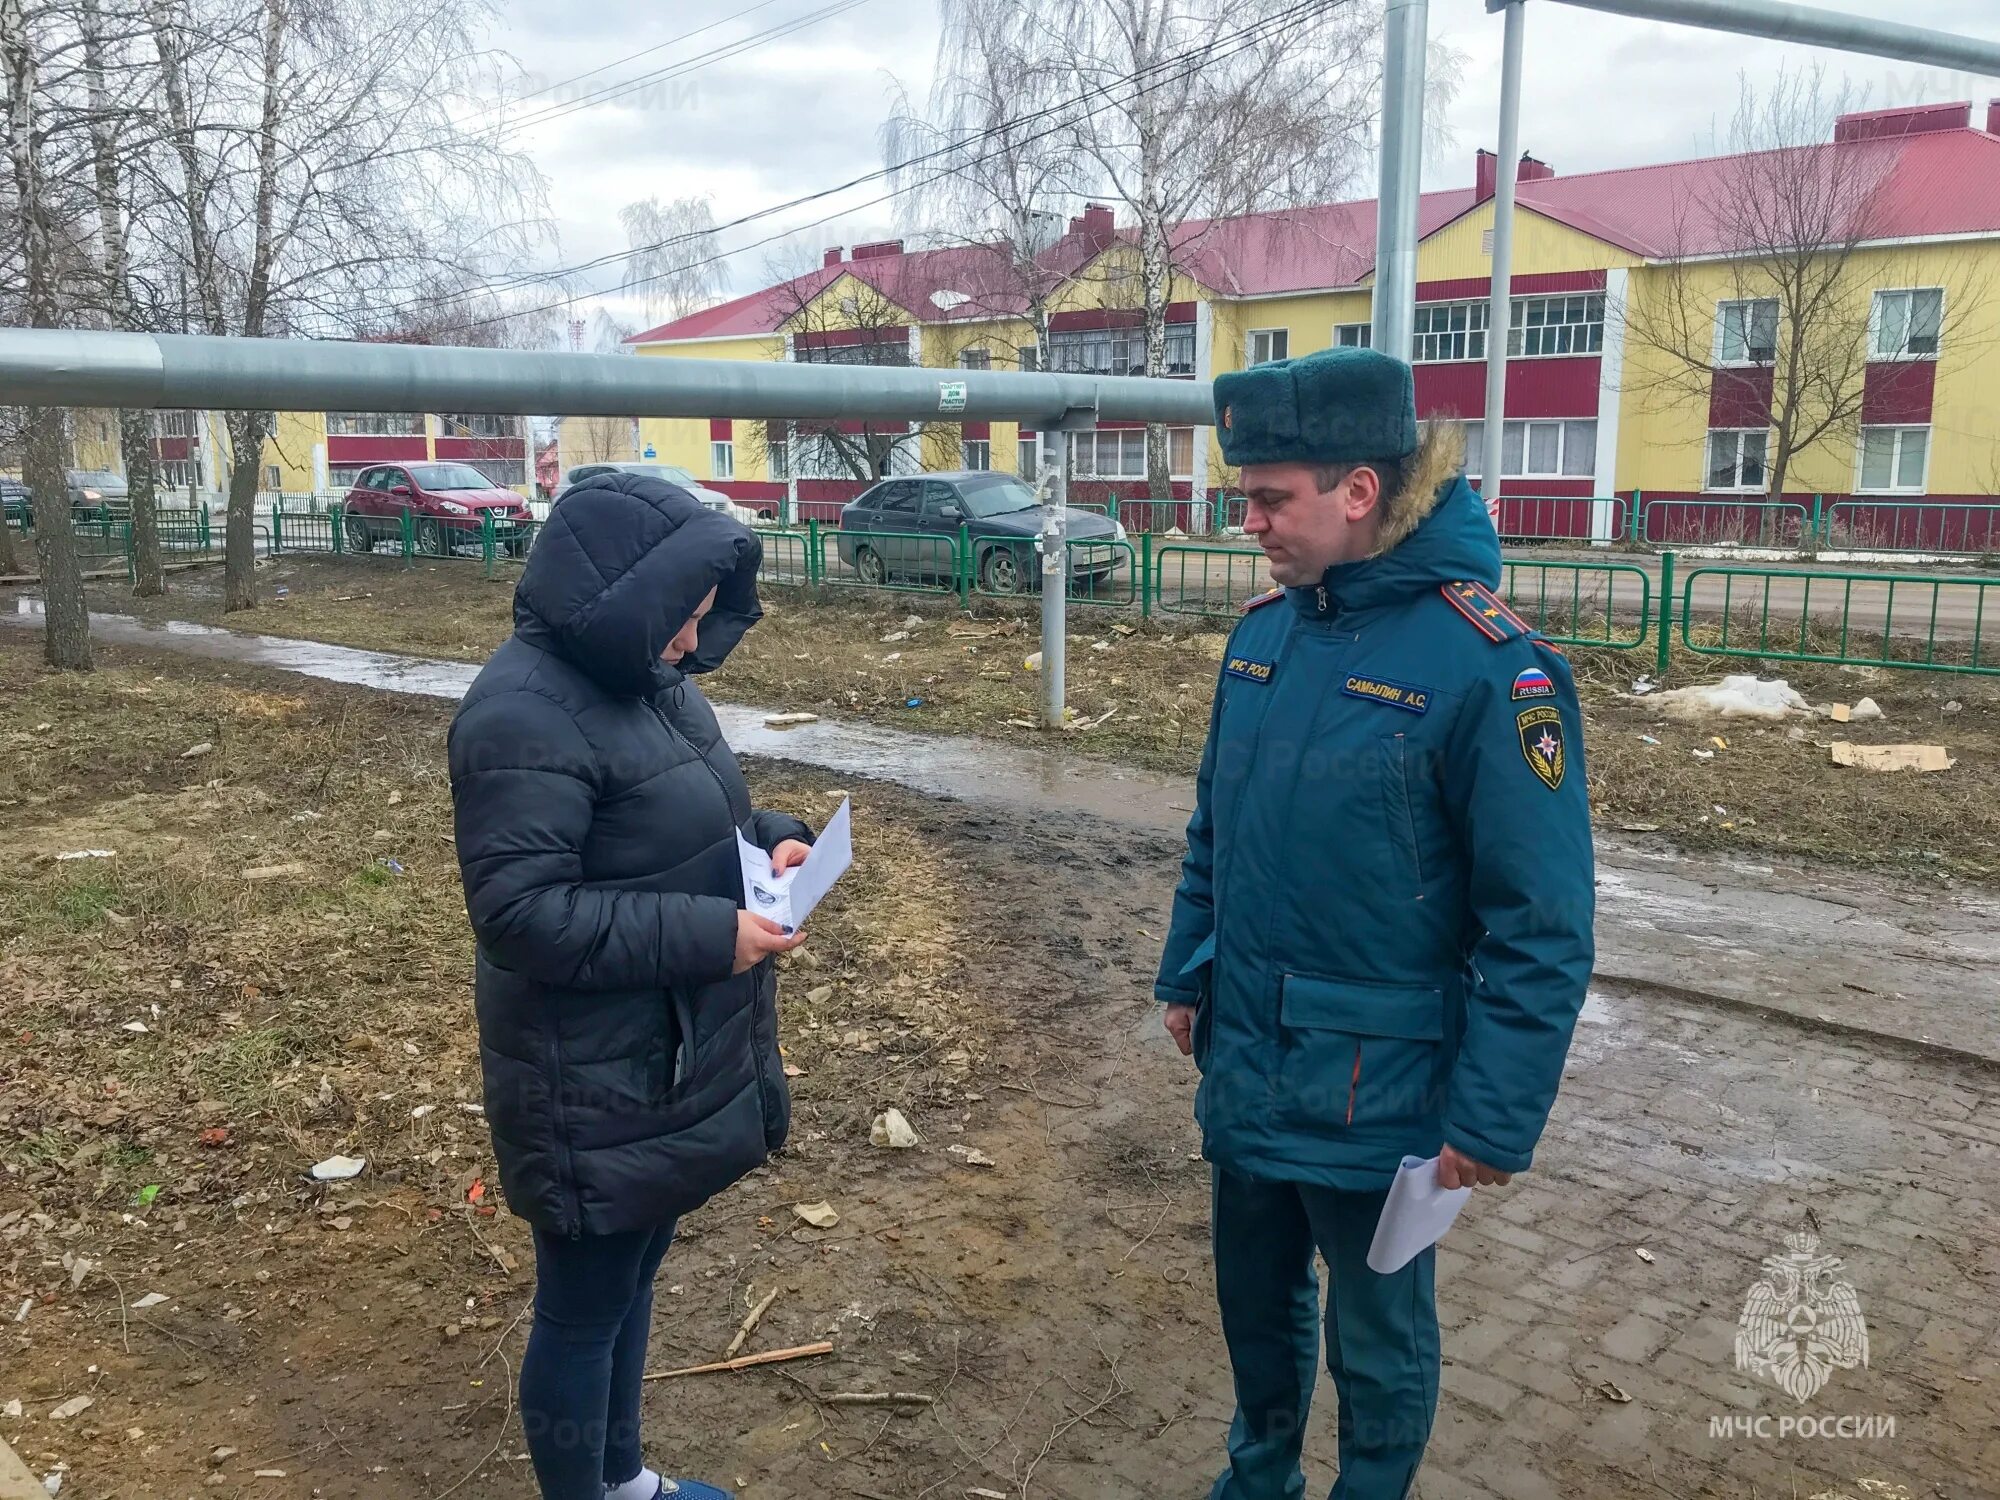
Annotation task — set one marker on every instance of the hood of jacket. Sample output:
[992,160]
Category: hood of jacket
[620,566]
[1439,533]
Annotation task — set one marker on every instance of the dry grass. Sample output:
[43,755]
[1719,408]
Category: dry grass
[829,655]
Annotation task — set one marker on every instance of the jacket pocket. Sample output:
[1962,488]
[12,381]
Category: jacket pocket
[1361,1056]
[1400,812]
[1200,968]
[682,1005]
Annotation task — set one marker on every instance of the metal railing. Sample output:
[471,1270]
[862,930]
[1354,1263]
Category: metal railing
[1191,579]
[904,561]
[1780,525]
[1929,527]
[1564,518]
[1858,619]
[1607,605]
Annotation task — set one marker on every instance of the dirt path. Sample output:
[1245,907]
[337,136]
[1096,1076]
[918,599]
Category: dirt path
[1056,1306]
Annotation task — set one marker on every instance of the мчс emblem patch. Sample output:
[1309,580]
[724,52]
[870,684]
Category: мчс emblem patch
[1534,683]
[1248,670]
[1541,731]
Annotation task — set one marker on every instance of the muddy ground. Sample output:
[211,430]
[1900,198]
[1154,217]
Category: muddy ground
[1141,692]
[985,974]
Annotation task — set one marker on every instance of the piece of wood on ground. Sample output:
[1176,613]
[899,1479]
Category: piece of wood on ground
[746,1361]
[878,1398]
[1892,757]
[749,1324]
[17,1482]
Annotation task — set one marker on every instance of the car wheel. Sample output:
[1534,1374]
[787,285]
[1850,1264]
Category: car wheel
[1000,571]
[359,537]
[430,538]
[868,567]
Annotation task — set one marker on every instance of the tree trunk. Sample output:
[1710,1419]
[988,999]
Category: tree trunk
[135,434]
[66,641]
[239,555]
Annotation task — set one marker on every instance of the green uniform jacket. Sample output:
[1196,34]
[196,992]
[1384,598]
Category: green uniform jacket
[1385,911]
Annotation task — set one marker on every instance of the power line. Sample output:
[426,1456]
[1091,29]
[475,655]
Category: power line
[1244,39]
[680,69]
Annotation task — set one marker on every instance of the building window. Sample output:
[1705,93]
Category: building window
[1546,326]
[177,474]
[887,348]
[273,480]
[1030,357]
[1895,460]
[173,424]
[1121,454]
[1027,461]
[978,453]
[722,460]
[1354,335]
[345,476]
[1738,460]
[1119,351]
[374,424]
[1449,331]
[1268,344]
[975,359]
[1907,325]
[1746,332]
[1536,450]
[779,456]
[479,425]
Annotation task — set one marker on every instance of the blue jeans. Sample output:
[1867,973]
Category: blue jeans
[580,1379]
[1381,1339]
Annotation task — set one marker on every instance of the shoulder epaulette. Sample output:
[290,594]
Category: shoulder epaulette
[1263,599]
[1487,611]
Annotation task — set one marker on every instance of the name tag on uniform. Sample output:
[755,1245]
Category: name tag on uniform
[1396,694]
[1248,670]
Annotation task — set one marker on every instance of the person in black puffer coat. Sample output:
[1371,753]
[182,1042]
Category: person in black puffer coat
[628,1026]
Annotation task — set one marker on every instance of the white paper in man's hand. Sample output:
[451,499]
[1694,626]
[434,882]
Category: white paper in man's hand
[788,899]
[1415,1216]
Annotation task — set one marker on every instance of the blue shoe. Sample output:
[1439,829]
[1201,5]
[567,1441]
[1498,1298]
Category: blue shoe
[690,1489]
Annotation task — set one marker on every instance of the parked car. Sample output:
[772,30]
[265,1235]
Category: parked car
[448,504]
[673,474]
[885,532]
[99,490]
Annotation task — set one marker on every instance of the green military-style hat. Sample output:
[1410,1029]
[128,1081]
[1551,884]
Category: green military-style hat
[1338,406]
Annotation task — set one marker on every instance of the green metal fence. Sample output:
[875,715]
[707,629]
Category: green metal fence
[905,561]
[1190,579]
[1608,605]
[1928,527]
[1906,620]
[788,558]
[1781,525]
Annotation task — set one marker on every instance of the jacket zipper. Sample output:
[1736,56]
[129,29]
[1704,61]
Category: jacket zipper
[569,1146]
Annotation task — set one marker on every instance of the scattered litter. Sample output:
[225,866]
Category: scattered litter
[1719,810]
[913,622]
[1643,686]
[308,816]
[914,703]
[1702,754]
[1892,757]
[1868,708]
[787,721]
[12,1409]
[75,1406]
[892,1130]
[1100,645]
[891,657]
[136,1026]
[1612,1392]
[1740,697]
[1644,1254]
[1639,827]
[1840,713]
[972,1156]
[894,636]
[986,1494]
[421,1110]
[193,751]
[145,1196]
[268,1474]
[215,1135]
[88,854]
[393,866]
[1124,629]
[465,1107]
[793,1070]
[22,1315]
[1647,739]
[220,1457]
[52,1482]
[1954,707]
[1718,741]
[275,872]
[281,591]
[151,1299]
[1033,663]
[476,1194]
[79,1268]
[339,1168]
[820,1215]
[343,1222]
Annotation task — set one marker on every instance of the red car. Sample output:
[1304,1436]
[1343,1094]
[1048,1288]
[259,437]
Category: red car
[447,504]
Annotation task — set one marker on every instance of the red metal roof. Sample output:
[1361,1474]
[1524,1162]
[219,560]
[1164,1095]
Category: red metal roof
[1939,177]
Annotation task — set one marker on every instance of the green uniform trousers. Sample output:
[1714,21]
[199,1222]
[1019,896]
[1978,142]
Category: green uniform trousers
[1381,1339]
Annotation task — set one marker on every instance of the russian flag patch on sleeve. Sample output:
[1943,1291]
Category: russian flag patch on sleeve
[1534,683]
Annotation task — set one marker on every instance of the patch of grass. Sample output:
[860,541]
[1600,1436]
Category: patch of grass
[241,1068]
[45,1148]
[81,904]
[127,1156]
[374,877]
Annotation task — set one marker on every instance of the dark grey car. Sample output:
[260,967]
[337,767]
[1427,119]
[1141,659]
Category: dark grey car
[903,528]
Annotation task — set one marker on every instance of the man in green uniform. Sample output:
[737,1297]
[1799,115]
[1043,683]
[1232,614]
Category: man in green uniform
[1382,934]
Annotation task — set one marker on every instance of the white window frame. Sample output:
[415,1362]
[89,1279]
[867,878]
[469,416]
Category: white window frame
[1028,455]
[722,459]
[1364,339]
[1739,488]
[976,453]
[975,359]
[1904,356]
[1475,455]
[1469,340]
[778,459]
[274,478]
[1518,330]
[1721,332]
[1277,345]
[1086,448]
[1901,430]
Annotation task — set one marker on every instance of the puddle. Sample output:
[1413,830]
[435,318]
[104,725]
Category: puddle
[940,766]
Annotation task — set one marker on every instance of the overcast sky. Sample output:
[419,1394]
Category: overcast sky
[801,112]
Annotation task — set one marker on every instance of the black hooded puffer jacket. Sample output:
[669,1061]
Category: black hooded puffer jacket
[629,1076]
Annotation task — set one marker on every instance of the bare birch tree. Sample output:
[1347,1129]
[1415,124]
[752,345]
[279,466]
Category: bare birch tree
[674,267]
